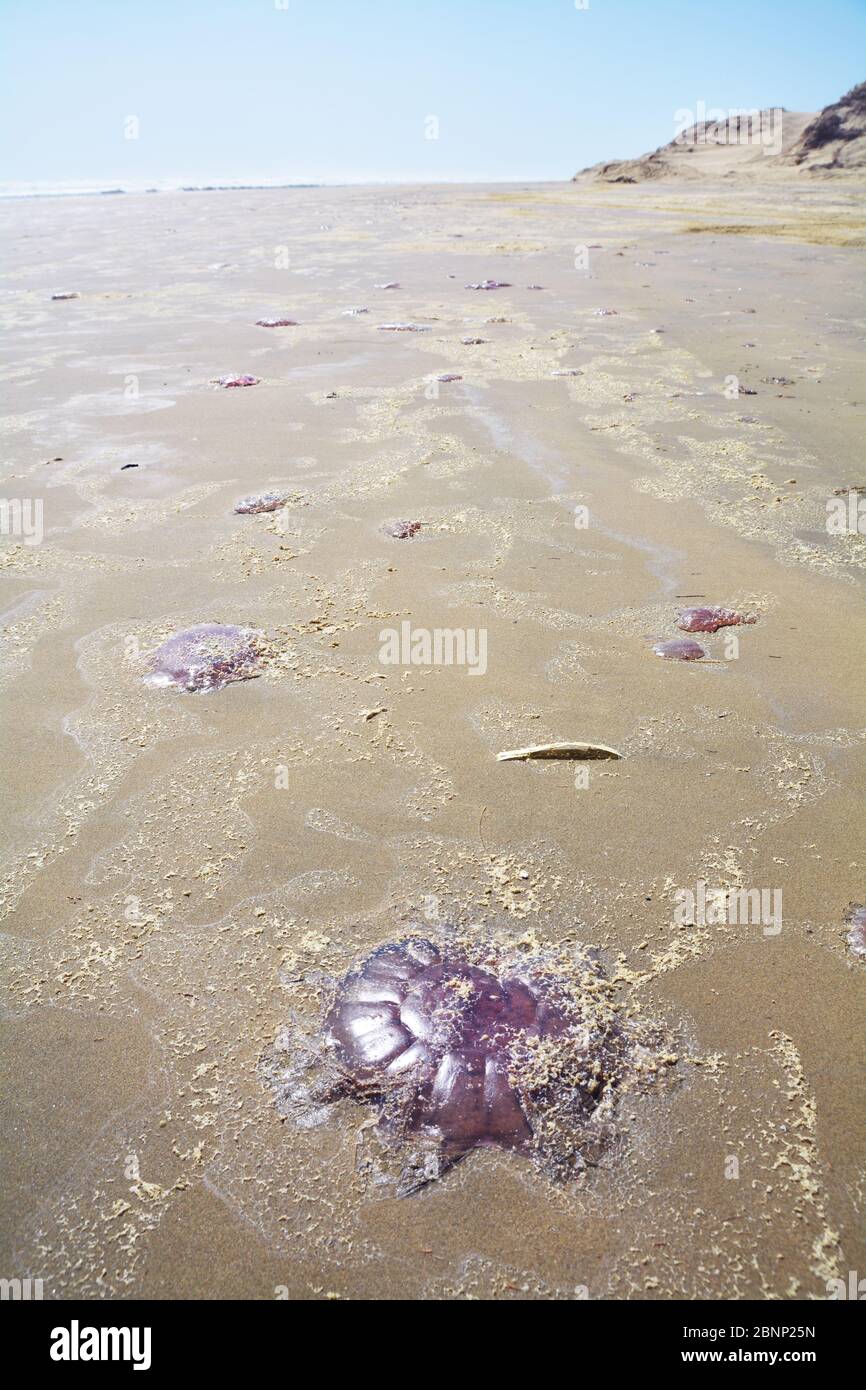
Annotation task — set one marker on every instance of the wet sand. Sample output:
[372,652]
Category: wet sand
[183,874]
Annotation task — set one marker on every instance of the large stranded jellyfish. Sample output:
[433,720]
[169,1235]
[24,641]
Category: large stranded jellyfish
[711,619]
[402,530]
[229,381]
[460,1046]
[679,649]
[206,658]
[856,936]
[261,502]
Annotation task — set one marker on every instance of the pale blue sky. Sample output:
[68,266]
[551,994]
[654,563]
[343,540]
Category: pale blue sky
[340,90]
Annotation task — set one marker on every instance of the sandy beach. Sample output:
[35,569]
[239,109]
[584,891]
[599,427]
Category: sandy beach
[185,875]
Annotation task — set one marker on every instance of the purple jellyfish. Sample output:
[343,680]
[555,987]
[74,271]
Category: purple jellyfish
[679,649]
[711,619]
[460,1047]
[206,658]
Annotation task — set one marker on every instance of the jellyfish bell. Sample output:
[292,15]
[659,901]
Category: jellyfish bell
[458,1048]
[205,658]
[260,502]
[679,649]
[228,382]
[401,530]
[711,619]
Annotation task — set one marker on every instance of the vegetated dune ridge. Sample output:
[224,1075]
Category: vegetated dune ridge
[773,143]
[835,141]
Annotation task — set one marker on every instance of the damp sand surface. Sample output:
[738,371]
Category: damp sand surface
[186,874]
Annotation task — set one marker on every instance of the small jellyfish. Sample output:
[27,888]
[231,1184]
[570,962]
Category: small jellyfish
[404,328]
[711,619]
[260,502]
[205,658]
[402,530]
[679,649]
[604,313]
[856,936]
[227,381]
[276,323]
[488,285]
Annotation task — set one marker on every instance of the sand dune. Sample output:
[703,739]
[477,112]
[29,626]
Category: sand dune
[771,144]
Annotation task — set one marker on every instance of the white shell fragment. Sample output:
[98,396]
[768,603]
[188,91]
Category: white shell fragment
[558,750]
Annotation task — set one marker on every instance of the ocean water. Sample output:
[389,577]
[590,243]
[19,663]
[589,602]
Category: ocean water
[76,188]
